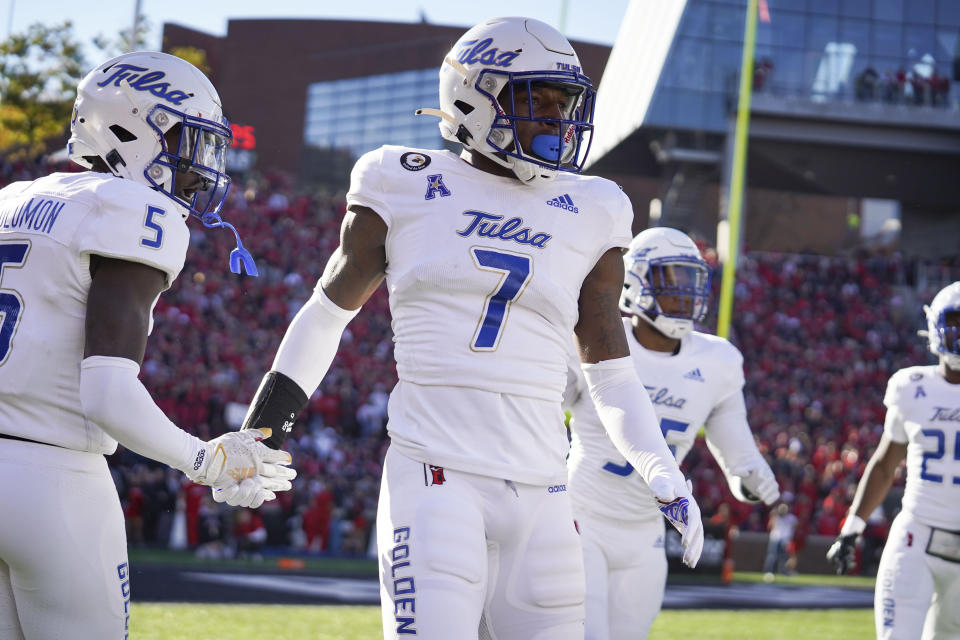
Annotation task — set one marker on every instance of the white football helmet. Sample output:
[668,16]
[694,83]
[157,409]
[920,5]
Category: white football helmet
[123,111]
[513,54]
[663,263]
[943,332]
[126,105]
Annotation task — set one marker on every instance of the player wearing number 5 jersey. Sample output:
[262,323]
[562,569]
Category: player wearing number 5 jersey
[492,259]
[693,380]
[918,581]
[83,259]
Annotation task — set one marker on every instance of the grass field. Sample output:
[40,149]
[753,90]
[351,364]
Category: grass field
[808,580]
[278,622]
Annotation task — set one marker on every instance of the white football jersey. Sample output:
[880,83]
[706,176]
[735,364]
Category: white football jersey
[684,388]
[923,412]
[48,229]
[484,276]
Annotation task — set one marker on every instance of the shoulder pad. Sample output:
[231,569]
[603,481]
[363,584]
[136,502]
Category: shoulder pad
[132,222]
[14,189]
[719,348]
[902,385]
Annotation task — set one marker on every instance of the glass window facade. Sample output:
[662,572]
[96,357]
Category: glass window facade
[893,51]
[361,114]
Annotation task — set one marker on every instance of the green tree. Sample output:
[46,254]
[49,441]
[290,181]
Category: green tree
[193,55]
[113,47]
[39,72]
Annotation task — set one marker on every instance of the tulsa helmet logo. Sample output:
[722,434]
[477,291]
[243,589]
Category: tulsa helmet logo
[139,81]
[472,51]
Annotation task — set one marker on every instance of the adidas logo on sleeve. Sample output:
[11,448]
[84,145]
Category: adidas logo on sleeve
[564,202]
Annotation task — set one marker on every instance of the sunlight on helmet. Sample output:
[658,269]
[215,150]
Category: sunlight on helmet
[156,119]
[943,325]
[488,84]
[667,282]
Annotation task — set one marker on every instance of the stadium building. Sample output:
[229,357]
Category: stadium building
[854,135]
[315,94]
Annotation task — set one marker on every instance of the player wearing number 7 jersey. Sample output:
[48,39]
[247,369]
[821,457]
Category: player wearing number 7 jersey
[83,259]
[693,379]
[918,581]
[492,259]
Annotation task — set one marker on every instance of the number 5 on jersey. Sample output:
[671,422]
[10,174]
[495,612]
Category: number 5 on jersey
[515,271]
[12,255]
[666,425]
[157,240]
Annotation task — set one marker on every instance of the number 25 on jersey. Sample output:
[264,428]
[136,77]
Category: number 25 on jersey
[940,441]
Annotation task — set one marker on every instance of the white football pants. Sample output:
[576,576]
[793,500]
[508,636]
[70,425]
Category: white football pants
[626,571]
[914,586]
[63,548]
[467,556]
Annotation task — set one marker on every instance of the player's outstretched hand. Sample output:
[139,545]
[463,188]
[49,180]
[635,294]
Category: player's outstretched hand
[842,554]
[227,461]
[252,492]
[755,485]
[677,505]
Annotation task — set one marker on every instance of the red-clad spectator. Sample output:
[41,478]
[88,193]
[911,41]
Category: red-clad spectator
[249,534]
[819,336]
[194,495]
[316,521]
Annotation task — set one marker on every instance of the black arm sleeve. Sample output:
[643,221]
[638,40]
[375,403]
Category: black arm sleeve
[278,402]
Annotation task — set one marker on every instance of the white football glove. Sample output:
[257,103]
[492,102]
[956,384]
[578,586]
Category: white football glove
[236,456]
[755,485]
[678,506]
[252,492]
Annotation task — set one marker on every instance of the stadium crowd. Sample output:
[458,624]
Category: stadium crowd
[820,337]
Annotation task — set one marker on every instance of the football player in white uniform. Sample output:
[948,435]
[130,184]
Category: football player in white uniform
[918,582]
[83,259]
[693,379]
[493,259]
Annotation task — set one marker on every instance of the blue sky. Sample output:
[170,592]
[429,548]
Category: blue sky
[588,20]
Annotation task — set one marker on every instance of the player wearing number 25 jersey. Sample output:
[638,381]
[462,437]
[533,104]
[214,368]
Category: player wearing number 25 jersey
[918,580]
[83,259]
[694,380]
[492,259]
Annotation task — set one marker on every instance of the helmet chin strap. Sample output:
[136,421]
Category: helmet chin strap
[651,317]
[429,111]
[951,360]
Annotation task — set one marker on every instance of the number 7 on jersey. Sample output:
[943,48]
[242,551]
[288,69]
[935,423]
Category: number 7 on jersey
[516,270]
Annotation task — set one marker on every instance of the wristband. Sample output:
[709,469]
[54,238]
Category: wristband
[853,525]
[278,402]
